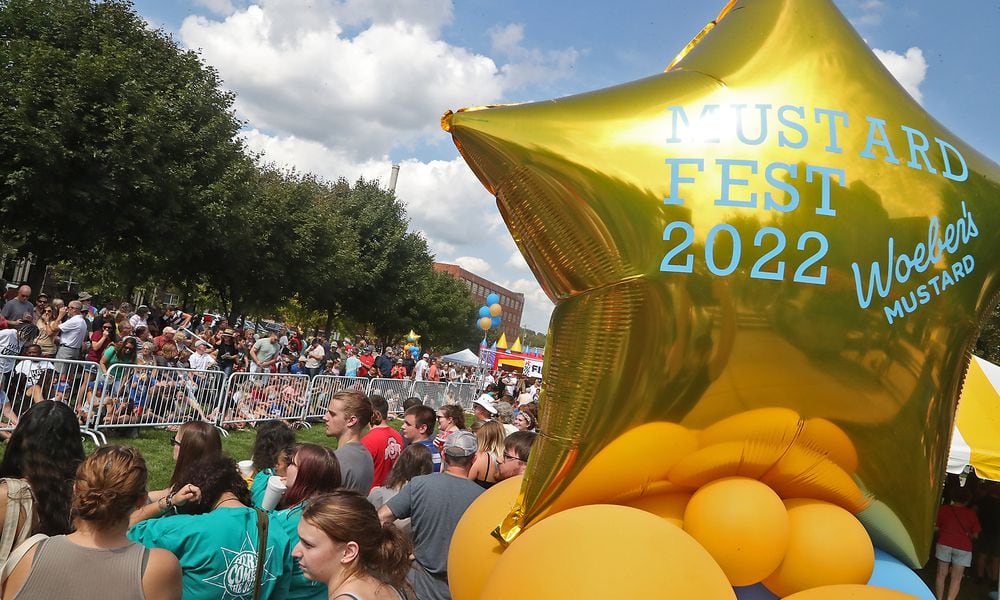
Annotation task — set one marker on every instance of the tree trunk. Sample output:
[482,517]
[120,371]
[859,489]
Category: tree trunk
[329,321]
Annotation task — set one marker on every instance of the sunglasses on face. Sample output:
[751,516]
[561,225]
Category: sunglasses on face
[174,442]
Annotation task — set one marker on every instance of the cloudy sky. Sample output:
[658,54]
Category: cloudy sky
[348,87]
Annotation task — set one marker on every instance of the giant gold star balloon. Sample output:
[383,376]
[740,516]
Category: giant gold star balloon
[767,261]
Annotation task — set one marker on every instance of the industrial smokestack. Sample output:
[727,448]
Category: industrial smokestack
[393,177]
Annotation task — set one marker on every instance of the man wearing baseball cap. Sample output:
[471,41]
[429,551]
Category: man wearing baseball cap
[420,369]
[434,503]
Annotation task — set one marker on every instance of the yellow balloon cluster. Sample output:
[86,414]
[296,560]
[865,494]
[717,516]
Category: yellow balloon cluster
[768,496]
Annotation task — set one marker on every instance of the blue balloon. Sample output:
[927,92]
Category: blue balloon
[754,592]
[415,351]
[495,321]
[890,573]
[492,299]
[484,311]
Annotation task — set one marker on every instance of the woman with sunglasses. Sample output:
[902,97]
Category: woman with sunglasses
[194,440]
[48,328]
[121,353]
[450,418]
[102,337]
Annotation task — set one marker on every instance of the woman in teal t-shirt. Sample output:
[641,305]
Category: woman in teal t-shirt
[217,542]
[312,471]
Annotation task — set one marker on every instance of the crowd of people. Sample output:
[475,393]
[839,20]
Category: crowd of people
[371,519]
[190,358]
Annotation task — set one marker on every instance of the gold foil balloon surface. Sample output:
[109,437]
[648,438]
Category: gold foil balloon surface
[767,261]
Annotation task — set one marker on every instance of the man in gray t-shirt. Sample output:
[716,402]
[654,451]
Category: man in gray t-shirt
[435,503]
[264,353]
[19,309]
[349,413]
[356,467]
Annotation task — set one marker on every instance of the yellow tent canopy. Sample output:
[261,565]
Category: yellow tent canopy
[976,438]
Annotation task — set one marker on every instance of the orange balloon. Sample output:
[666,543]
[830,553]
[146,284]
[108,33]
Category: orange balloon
[826,546]
[825,436]
[495,310]
[805,473]
[474,552]
[605,551]
[485,323]
[623,469]
[669,506]
[743,524]
[746,458]
[777,426]
[850,592]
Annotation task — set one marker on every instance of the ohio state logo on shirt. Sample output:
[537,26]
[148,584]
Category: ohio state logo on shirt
[392,449]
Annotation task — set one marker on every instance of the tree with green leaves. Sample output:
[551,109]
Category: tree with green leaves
[114,138]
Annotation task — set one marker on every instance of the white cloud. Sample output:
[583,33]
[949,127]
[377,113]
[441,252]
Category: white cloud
[431,14]
[528,66]
[516,261]
[871,13]
[440,248]
[909,69]
[219,7]
[473,264]
[537,306]
[298,73]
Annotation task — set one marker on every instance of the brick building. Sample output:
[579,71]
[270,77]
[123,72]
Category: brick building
[512,302]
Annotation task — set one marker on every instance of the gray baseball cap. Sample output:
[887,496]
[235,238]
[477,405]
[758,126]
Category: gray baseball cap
[461,443]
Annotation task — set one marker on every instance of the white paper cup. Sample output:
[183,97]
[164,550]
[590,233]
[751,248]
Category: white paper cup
[246,467]
[272,495]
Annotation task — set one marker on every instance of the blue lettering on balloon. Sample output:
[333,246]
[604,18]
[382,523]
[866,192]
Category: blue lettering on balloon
[948,173]
[762,127]
[825,173]
[728,180]
[680,126]
[783,140]
[877,126]
[832,116]
[915,149]
[788,188]
[676,179]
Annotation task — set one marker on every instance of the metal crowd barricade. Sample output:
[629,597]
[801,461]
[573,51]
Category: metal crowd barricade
[322,387]
[253,397]
[433,393]
[152,396]
[463,394]
[393,390]
[34,379]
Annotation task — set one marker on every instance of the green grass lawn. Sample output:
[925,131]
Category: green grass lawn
[155,447]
